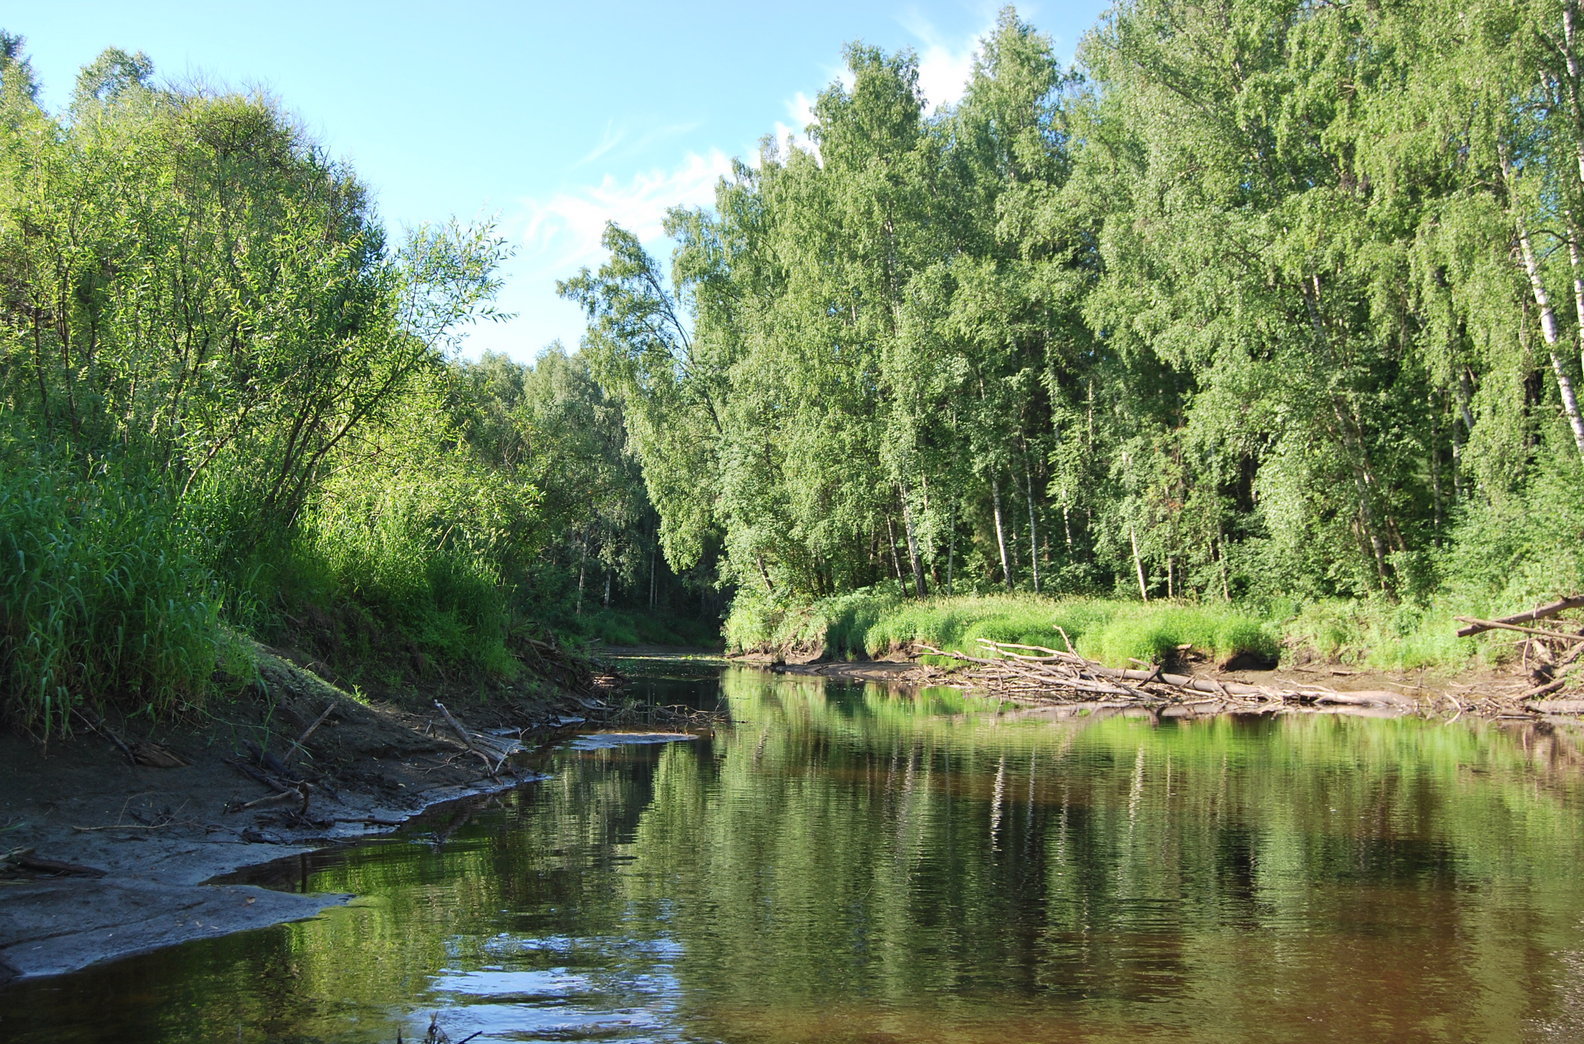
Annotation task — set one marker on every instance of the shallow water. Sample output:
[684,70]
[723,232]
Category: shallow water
[847,864]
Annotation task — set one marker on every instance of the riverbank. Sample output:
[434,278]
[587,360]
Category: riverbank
[107,839]
[1347,652]
[1334,686]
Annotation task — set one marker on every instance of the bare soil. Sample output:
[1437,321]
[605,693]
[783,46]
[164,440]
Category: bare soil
[101,857]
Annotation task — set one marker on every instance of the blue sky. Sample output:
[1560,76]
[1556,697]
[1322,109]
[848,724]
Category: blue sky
[548,118]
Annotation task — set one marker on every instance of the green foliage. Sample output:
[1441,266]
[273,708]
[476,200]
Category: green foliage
[1386,636]
[102,600]
[1521,548]
[871,623]
[1154,633]
[189,289]
[1273,300]
[632,627]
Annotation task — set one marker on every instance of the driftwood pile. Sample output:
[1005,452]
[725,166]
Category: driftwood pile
[492,750]
[1548,653]
[1036,674]
[1553,656]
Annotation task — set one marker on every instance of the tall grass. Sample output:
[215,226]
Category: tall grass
[102,601]
[1390,636]
[374,586]
[868,623]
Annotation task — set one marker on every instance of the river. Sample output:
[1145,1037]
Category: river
[848,864]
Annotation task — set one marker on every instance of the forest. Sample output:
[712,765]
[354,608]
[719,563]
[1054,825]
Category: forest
[1261,303]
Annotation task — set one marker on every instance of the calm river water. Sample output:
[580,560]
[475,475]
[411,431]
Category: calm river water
[846,864]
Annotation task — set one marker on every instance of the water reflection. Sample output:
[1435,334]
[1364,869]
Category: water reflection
[847,864]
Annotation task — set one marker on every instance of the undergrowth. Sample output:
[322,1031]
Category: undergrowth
[868,623]
[1377,634]
[103,601]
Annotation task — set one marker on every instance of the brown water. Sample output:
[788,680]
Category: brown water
[849,865]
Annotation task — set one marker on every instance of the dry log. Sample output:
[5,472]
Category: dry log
[1539,691]
[156,755]
[1537,613]
[24,859]
[492,754]
[1555,706]
[1175,681]
[1477,626]
[1036,672]
[1367,698]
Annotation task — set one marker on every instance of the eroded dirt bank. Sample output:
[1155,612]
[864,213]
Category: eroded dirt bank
[107,839]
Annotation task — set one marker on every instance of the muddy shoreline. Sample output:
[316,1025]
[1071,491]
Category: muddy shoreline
[102,857]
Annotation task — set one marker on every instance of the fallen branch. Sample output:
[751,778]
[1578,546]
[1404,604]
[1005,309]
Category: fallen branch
[98,726]
[1045,675]
[310,730]
[1547,689]
[1555,706]
[1538,613]
[1477,626]
[293,793]
[493,755]
[24,859]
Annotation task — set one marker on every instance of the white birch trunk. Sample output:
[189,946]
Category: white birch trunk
[1138,563]
[1548,331]
[1028,482]
[995,501]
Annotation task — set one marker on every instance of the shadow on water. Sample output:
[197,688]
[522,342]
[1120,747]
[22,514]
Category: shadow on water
[850,864]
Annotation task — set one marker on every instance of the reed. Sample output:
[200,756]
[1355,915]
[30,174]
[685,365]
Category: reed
[102,602]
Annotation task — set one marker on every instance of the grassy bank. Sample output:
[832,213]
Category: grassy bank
[1114,631]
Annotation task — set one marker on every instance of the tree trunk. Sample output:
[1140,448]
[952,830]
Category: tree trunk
[891,540]
[1028,481]
[1577,264]
[1138,563]
[914,562]
[951,550]
[1001,544]
[1350,435]
[577,607]
[1548,330]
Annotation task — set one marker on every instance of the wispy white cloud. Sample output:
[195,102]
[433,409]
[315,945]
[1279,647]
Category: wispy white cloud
[558,234]
[944,64]
[622,141]
[608,141]
[562,232]
[794,132]
[944,67]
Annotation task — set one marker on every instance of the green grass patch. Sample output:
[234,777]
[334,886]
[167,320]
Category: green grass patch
[1391,636]
[868,623]
[102,600]
[1154,634]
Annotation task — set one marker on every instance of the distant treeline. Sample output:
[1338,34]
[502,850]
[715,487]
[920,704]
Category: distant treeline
[230,405]
[1263,298]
